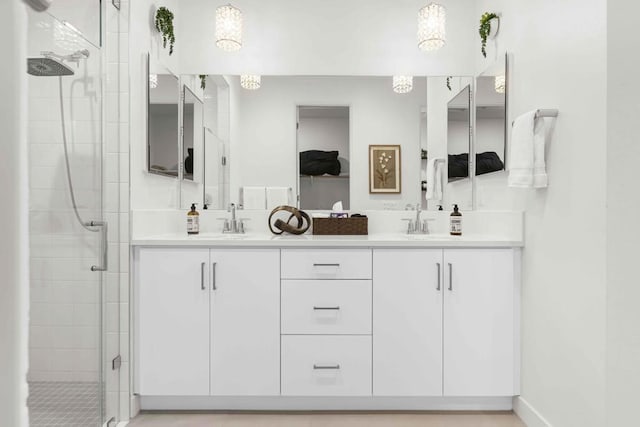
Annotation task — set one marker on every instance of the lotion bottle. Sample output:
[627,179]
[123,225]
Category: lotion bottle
[193,220]
[455,222]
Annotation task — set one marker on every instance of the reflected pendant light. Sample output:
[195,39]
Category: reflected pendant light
[431,27]
[229,28]
[500,83]
[402,84]
[250,82]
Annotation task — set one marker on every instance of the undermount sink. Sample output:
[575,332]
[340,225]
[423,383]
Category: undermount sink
[222,236]
[430,237]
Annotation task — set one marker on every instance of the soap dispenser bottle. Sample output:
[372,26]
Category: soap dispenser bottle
[456,222]
[193,220]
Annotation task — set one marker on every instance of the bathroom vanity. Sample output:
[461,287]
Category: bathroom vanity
[326,322]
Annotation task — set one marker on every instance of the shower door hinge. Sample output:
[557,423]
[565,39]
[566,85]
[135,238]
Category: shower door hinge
[116,4]
[111,422]
[116,363]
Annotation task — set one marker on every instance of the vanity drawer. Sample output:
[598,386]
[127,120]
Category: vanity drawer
[326,264]
[326,307]
[326,365]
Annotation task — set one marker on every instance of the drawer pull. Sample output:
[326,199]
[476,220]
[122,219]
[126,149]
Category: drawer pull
[326,308]
[326,265]
[326,366]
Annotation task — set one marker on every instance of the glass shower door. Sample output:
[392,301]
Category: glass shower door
[67,356]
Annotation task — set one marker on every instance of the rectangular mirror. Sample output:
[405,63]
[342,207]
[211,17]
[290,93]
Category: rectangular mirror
[163,96]
[192,136]
[491,122]
[323,153]
[459,135]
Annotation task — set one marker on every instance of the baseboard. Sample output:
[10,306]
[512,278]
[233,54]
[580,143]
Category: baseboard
[528,413]
[326,403]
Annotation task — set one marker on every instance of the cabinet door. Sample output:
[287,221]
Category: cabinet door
[173,330]
[245,319]
[479,322]
[407,322]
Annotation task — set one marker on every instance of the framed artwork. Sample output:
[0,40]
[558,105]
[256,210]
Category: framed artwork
[384,169]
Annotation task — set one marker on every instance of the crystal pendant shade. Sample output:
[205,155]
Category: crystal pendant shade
[431,27]
[500,83]
[229,28]
[402,84]
[250,82]
[153,81]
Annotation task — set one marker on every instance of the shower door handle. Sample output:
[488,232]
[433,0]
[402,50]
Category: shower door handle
[104,248]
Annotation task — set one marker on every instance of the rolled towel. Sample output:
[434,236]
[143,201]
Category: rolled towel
[253,198]
[277,196]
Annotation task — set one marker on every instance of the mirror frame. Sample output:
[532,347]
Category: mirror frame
[183,100]
[148,120]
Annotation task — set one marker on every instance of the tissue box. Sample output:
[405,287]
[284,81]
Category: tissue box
[340,226]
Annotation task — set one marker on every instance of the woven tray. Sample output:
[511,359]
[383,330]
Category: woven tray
[341,226]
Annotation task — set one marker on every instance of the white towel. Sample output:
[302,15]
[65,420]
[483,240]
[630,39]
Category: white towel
[526,155]
[277,196]
[434,179]
[253,198]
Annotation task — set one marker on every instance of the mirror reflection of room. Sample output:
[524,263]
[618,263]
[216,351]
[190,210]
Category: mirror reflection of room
[323,147]
[163,124]
[458,141]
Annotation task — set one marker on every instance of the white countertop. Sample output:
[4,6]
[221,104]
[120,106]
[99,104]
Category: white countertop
[309,240]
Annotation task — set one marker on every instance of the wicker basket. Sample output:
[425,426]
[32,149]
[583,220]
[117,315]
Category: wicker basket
[341,226]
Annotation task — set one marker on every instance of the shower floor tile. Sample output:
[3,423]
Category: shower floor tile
[70,404]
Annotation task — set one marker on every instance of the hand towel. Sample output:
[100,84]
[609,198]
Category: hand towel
[437,192]
[277,196]
[539,165]
[434,179]
[526,153]
[253,198]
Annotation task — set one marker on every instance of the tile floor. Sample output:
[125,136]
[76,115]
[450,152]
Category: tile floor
[499,419]
[68,404]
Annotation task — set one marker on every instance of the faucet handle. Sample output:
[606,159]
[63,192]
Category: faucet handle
[410,226]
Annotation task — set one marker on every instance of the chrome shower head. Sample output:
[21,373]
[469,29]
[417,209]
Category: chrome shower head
[46,67]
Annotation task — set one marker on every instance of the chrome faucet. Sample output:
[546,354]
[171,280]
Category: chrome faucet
[233,225]
[416,226]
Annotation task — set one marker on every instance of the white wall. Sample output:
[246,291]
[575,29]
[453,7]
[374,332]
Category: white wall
[263,139]
[331,37]
[559,61]
[623,210]
[148,191]
[14,292]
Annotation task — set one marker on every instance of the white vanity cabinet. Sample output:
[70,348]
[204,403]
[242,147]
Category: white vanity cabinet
[479,322]
[444,322]
[245,322]
[208,322]
[326,322]
[407,322]
[173,322]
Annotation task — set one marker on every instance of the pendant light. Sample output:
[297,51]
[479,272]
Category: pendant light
[229,28]
[402,84]
[431,27]
[250,81]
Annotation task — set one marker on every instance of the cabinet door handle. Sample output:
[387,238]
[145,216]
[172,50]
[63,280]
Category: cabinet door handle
[326,366]
[202,276]
[326,265]
[438,287]
[213,276]
[450,277]
[326,308]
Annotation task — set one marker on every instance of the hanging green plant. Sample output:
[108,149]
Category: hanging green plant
[203,81]
[485,30]
[449,83]
[164,25]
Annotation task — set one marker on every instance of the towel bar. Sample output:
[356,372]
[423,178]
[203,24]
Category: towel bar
[544,113]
